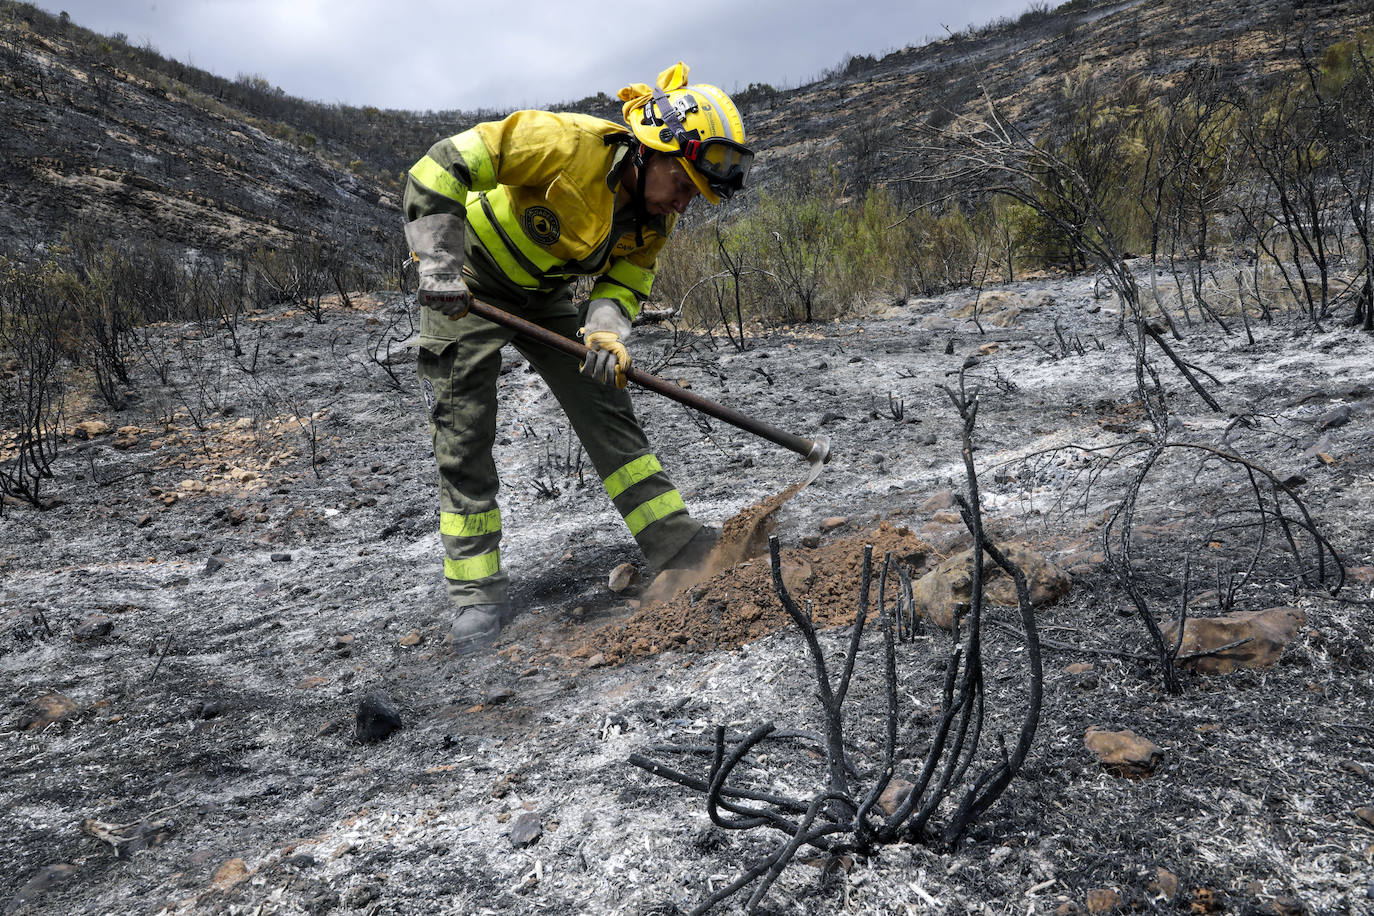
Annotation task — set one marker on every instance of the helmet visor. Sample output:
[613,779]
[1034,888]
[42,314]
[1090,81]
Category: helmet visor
[723,163]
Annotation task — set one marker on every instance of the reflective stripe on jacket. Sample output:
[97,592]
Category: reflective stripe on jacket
[537,190]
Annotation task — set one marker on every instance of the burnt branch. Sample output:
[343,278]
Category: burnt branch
[859,808]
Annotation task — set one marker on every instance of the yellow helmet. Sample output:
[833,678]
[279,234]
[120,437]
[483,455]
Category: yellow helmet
[695,122]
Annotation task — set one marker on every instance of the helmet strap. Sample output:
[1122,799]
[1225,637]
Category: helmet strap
[641,154]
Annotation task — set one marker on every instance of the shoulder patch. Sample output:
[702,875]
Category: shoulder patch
[541,225]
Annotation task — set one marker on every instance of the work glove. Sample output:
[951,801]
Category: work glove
[604,331]
[436,244]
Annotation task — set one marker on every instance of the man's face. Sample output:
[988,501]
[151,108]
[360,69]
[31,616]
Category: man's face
[667,189]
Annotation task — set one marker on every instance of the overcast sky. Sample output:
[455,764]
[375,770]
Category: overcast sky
[437,55]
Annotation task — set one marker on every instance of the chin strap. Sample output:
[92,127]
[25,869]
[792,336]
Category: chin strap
[639,156]
[641,209]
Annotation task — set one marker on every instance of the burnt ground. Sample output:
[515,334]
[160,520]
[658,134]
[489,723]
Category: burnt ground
[218,588]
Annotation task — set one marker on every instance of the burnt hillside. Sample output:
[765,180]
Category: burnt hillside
[104,133]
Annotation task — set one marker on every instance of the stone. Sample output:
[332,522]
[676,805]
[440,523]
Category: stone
[810,541]
[526,830]
[948,587]
[377,717]
[50,708]
[940,499]
[894,795]
[1361,575]
[1123,753]
[212,566]
[1366,814]
[1104,900]
[1338,416]
[1165,884]
[498,695]
[48,876]
[835,521]
[230,873]
[1083,675]
[96,626]
[623,578]
[597,661]
[281,558]
[410,639]
[89,429]
[1266,634]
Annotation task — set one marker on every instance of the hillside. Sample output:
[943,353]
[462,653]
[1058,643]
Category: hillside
[88,140]
[115,135]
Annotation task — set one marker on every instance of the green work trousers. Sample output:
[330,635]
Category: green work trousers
[459,362]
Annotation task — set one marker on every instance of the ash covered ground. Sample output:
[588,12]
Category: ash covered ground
[243,557]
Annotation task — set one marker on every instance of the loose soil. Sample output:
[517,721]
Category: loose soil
[186,636]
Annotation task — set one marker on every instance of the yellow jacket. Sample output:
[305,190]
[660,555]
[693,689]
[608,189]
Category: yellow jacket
[537,190]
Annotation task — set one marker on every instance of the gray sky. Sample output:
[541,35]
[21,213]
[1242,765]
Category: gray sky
[438,54]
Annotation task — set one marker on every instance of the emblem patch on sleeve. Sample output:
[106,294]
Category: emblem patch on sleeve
[541,225]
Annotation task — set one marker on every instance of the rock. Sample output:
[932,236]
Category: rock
[949,586]
[597,661]
[527,829]
[96,626]
[89,429]
[1366,814]
[1266,633]
[1123,753]
[1361,575]
[497,696]
[811,541]
[894,795]
[1338,416]
[1104,900]
[1083,675]
[835,521]
[281,558]
[40,712]
[126,437]
[1287,906]
[377,717]
[623,578]
[1165,884]
[941,499]
[47,877]
[212,566]
[410,639]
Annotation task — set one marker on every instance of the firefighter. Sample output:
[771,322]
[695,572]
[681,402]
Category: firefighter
[510,212]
